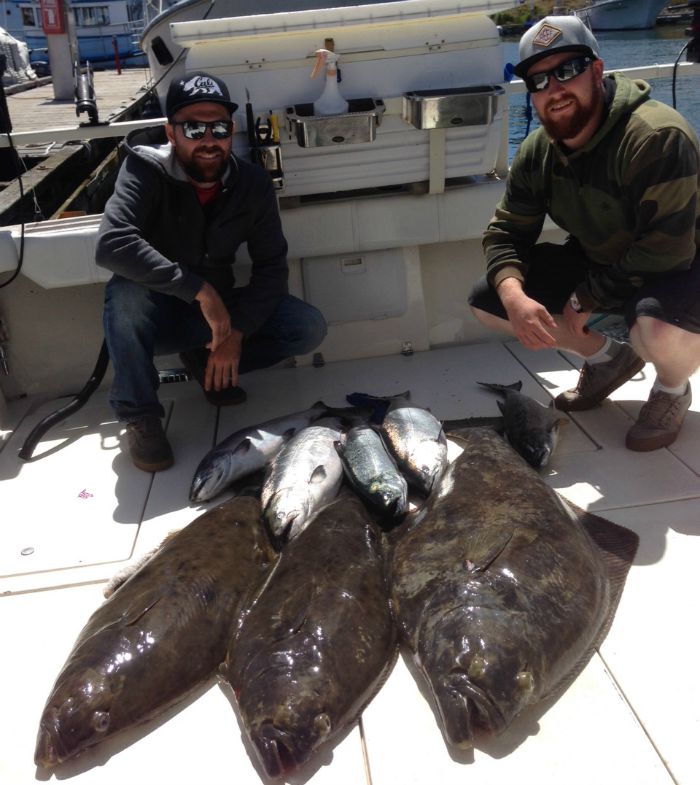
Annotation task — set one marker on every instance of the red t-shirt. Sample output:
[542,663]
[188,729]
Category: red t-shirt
[206,195]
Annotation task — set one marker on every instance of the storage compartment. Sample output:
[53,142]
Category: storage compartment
[451,107]
[359,124]
[354,287]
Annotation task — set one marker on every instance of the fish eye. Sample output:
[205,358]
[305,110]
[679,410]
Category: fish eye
[323,724]
[477,667]
[100,721]
[525,681]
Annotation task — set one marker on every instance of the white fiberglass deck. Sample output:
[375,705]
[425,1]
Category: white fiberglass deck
[631,718]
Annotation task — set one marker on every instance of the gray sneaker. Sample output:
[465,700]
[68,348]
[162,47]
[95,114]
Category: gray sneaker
[148,445]
[597,381]
[659,421]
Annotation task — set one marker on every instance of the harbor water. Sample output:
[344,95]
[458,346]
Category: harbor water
[623,49]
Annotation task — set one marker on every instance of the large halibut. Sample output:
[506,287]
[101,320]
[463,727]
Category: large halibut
[319,641]
[161,634]
[500,589]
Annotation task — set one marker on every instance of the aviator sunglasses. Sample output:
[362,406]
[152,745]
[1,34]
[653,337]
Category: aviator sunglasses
[562,73]
[196,129]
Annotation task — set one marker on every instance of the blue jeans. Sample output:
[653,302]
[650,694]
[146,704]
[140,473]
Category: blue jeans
[140,324]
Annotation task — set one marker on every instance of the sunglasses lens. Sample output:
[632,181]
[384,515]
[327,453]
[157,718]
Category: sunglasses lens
[194,130]
[221,129]
[562,73]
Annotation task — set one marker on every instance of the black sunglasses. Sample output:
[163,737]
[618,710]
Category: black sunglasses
[562,73]
[197,129]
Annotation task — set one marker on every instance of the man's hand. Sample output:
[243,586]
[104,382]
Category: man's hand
[216,314]
[222,365]
[530,320]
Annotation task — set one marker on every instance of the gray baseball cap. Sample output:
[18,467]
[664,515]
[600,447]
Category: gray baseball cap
[554,34]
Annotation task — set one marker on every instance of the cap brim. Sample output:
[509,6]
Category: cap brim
[230,105]
[523,67]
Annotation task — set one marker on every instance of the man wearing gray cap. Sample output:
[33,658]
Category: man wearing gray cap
[618,171]
[182,205]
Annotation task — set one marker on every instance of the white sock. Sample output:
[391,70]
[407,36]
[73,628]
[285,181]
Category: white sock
[680,390]
[606,352]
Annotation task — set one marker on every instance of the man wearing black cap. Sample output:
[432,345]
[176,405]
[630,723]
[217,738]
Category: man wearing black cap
[182,205]
[618,171]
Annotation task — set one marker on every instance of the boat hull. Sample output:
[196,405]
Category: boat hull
[621,14]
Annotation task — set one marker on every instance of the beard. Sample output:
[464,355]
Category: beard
[577,117]
[205,171]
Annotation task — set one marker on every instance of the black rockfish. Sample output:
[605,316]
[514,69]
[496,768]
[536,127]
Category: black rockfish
[531,428]
[499,589]
[161,634]
[319,641]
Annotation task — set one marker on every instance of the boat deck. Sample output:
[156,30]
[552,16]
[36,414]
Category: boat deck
[76,513]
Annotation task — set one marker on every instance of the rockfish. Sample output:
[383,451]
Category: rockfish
[531,428]
[371,471]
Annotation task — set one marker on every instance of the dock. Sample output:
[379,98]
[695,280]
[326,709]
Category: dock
[116,94]
[57,171]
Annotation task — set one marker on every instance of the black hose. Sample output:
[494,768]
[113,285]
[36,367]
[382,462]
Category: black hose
[80,399]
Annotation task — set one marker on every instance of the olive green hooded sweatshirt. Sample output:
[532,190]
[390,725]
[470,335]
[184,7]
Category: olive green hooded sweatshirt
[629,196]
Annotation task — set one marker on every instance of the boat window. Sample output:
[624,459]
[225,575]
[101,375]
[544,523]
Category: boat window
[91,15]
[161,51]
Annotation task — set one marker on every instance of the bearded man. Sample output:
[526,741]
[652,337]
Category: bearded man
[182,205]
[618,172]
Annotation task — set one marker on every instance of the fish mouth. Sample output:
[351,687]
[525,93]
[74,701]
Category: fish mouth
[275,748]
[466,710]
[50,751]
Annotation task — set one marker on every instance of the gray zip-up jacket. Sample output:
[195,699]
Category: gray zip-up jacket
[155,232]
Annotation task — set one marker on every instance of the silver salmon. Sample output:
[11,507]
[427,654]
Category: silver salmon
[305,475]
[246,451]
[319,641]
[531,428]
[161,634]
[500,589]
[417,442]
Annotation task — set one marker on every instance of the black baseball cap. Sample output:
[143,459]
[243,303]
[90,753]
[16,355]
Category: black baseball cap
[555,34]
[194,88]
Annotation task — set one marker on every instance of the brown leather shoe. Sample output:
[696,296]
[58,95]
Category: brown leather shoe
[659,421]
[195,362]
[597,381]
[148,445]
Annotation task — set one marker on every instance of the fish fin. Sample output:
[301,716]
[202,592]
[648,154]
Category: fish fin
[287,435]
[483,552]
[242,447]
[501,388]
[293,610]
[501,407]
[318,475]
[455,426]
[617,546]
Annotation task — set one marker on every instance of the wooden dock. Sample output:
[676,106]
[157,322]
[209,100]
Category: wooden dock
[35,105]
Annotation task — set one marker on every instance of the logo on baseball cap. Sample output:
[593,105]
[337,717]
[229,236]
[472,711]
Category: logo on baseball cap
[194,88]
[555,34]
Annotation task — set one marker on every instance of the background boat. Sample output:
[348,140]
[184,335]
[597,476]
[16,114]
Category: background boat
[621,14]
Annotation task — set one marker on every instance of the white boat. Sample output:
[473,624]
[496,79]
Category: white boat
[621,14]
[385,237]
